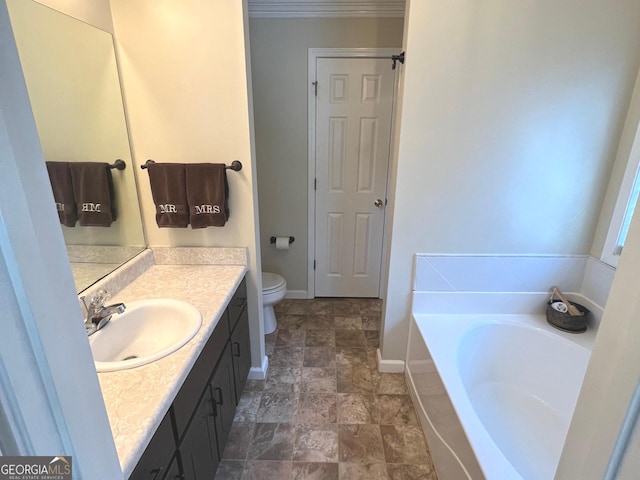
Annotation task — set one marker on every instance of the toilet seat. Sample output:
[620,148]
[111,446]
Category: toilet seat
[271,282]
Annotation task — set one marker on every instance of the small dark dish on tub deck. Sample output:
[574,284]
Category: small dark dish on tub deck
[566,322]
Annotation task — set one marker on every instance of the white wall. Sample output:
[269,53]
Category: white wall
[511,115]
[611,377]
[185,82]
[279,67]
[44,352]
[95,12]
[628,141]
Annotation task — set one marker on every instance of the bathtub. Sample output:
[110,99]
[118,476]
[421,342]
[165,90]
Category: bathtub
[495,393]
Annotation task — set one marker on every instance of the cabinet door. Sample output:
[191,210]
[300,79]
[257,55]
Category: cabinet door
[199,448]
[241,351]
[173,472]
[223,393]
[237,304]
[187,398]
[155,459]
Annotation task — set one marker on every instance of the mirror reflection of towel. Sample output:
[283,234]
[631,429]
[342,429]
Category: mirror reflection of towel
[60,178]
[207,194]
[169,193]
[93,191]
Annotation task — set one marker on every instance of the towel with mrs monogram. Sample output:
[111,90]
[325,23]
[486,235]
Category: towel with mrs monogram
[207,194]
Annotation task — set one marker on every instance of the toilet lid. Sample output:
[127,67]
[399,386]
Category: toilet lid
[271,281]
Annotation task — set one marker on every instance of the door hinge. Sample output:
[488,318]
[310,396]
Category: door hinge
[397,58]
[315,88]
[315,183]
[314,264]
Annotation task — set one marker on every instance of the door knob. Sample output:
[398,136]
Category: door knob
[378,203]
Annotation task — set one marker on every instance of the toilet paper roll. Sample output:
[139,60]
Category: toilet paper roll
[282,243]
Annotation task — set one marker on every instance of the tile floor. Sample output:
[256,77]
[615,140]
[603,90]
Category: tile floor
[325,412]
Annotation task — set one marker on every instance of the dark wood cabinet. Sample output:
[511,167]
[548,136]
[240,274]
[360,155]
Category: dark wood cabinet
[222,392]
[155,460]
[192,388]
[241,352]
[190,440]
[173,472]
[199,448]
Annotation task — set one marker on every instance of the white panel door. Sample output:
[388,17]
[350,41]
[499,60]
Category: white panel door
[353,129]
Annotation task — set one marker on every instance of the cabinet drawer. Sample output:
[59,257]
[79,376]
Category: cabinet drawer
[155,460]
[195,383]
[237,304]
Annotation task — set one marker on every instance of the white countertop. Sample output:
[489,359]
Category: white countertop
[137,399]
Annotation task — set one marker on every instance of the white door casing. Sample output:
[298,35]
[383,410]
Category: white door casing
[352,135]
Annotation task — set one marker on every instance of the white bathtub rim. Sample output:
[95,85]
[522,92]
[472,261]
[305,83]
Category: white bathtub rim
[501,303]
[490,458]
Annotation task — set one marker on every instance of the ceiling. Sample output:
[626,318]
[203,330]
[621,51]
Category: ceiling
[325,8]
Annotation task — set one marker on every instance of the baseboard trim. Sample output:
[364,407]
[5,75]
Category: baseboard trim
[259,373]
[389,366]
[296,294]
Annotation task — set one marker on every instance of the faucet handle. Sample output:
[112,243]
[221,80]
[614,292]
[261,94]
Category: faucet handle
[98,298]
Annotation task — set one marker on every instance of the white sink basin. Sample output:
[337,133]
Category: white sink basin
[147,331]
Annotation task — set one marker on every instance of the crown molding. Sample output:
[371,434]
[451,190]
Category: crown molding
[325,8]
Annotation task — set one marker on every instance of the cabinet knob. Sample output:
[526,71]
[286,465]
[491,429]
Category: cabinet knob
[235,346]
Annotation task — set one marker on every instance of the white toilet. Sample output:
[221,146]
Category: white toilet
[274,288]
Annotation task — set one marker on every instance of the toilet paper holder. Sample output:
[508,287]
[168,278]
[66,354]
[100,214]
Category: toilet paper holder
[291,240]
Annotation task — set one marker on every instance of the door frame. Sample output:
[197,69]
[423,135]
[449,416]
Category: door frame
[313,55]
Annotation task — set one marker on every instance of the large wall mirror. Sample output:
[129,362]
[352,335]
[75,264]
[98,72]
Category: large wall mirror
[72,79]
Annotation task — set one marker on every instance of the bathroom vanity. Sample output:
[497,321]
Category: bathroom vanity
[171,418]
[193,433]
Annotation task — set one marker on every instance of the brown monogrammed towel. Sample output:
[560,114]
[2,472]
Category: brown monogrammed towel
[93,192]
[207,194]
[60,178]
[168,189]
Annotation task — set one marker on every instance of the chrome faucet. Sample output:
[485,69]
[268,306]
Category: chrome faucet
[98,315]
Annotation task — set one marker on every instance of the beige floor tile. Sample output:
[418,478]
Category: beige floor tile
[404,444]
[277,407]
[320,338]
[362,471]
[317,408]
[395,410]
[266,470]
[271,441]
[356,408]
[319,380]
[314,471]
[325,411]
[360,444]
[283,379]
[290,338]
[316,443]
